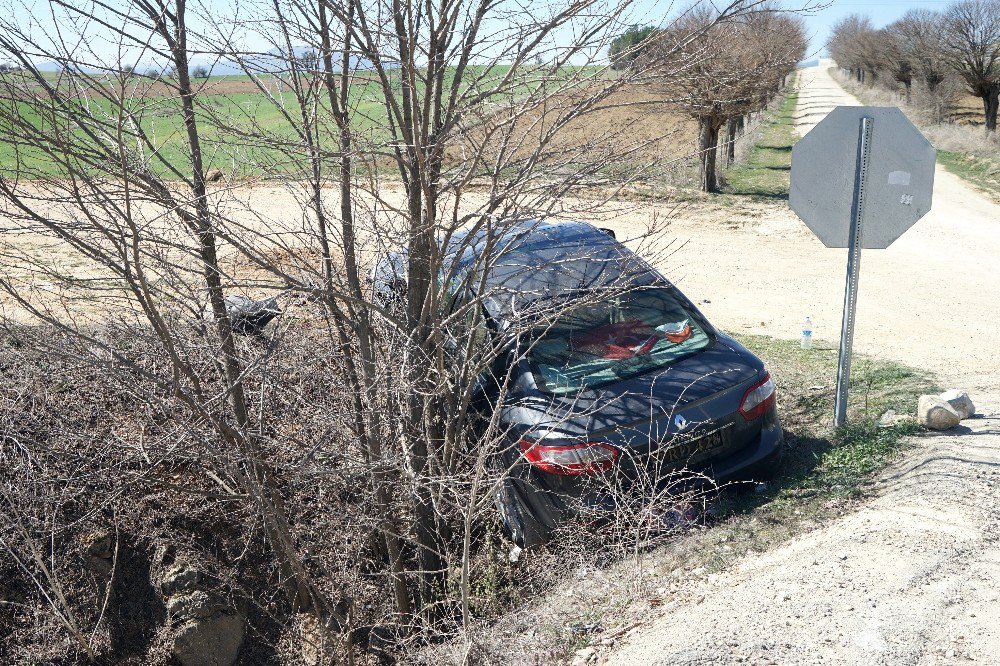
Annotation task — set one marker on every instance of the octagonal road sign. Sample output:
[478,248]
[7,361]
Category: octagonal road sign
[898,182]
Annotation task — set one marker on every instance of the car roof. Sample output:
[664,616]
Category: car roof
[532,263]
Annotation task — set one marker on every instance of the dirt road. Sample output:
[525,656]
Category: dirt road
[912,577]
[929,300]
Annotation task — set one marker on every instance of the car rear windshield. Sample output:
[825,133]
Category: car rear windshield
[615,339]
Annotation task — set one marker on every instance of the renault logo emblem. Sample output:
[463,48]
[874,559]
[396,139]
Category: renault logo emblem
[680,422]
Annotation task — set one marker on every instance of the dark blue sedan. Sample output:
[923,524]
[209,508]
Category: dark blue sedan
[617,389]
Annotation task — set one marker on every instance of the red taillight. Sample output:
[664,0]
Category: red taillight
[569,459]
[758,399]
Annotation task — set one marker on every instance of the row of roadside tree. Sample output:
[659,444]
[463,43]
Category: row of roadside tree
[956,48]
[732,69]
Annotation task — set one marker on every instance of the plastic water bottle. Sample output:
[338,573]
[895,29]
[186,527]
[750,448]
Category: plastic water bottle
[807,333]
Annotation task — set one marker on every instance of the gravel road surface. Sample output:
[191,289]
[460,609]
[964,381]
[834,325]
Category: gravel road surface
[930,300]
[913,576]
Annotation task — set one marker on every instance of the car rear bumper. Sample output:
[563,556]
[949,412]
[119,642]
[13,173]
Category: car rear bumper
[755,461]
[552,508]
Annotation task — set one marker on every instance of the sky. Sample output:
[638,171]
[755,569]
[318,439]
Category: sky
[818,22]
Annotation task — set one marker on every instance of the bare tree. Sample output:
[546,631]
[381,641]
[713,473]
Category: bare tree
[782,43]
[897,58]
[856,45]
[972,40]
[423,127]
[917,39]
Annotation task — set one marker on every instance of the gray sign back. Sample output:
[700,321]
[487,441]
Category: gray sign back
[898,187]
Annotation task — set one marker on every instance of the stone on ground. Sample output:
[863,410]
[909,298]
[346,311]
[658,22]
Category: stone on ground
[210,631]
[214,641]
[936,414]
[961,401]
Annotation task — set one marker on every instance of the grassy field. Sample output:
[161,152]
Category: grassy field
[980,171]
[243,129]
[765,173]
[232,126]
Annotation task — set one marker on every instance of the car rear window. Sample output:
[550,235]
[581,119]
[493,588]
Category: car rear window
[615,339]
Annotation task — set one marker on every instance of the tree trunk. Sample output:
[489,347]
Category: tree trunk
[990,103]
[932,89]
[386,532]
[423,403]
[909,91]
[708,140]
[731,130]
[259,480]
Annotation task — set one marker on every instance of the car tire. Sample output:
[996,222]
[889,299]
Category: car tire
[524,529]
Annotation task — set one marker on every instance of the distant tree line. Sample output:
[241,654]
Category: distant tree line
[626,47]
[962,43]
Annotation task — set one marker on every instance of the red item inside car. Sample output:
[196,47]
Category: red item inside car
[625,339]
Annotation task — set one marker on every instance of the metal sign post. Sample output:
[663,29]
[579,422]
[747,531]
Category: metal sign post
[861,193]
[853,270]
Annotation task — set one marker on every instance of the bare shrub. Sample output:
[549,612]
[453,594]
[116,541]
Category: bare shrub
[330,477]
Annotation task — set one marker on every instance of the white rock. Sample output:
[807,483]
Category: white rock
[961,401]
[891,418]
[936,414]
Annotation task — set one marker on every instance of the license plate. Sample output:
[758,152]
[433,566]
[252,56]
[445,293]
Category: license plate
[698,448]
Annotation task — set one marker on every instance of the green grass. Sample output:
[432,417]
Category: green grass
[820,457]
[765,173]
[823,468]
[981,172]
[235,131]
[238,131]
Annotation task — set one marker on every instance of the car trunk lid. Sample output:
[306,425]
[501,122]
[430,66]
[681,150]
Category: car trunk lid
[681,416]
